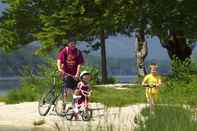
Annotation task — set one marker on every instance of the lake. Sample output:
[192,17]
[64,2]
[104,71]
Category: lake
[9,83]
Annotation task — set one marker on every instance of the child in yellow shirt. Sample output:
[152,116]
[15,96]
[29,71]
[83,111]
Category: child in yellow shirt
[152,82]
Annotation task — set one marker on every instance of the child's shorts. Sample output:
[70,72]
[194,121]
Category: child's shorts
[152,93]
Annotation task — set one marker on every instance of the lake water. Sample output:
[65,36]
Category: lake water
[13,82]
[7,85]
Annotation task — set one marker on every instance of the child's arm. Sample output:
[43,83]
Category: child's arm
[159,82]
[144,82]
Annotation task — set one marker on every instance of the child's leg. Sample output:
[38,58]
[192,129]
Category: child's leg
[148,95]
[150,99]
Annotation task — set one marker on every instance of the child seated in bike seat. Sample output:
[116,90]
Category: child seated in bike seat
[152,82]
[81,94]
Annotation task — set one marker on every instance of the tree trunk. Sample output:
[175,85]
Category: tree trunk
[103,57]
[141,53]
[177,46]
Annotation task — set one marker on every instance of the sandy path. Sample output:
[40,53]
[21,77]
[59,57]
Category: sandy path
[20,117]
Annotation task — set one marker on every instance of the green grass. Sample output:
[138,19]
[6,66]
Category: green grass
[172,92]
[168,119]
[114,97]
[3,99]
[179,93]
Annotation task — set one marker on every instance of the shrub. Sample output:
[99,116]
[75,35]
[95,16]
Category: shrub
[34,84]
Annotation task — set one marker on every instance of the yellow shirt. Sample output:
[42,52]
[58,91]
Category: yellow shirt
[150,79]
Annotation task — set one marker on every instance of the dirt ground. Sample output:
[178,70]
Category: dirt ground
[21,117]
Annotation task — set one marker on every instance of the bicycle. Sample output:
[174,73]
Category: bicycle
[51,97]
[48,98]
[84,111]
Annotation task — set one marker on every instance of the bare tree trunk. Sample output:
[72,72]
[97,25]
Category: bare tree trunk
[177,46]
[103,57]
[141,53]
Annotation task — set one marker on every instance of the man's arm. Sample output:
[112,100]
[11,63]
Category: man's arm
[78,71]
[60,59]
[59,66]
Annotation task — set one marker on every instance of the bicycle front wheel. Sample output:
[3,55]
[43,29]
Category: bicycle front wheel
[60,106]
[86,114]
[46,101]
[69,114]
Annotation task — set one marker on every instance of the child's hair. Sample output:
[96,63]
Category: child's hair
[153,64]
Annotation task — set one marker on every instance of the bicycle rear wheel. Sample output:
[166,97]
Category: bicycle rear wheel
[46,101]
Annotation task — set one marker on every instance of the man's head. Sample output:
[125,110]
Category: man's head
[72,44]
[153,68]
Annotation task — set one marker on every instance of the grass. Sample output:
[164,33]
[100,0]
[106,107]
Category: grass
[168,119]
[172,92]
[3,99]
[185,94]
[114,97]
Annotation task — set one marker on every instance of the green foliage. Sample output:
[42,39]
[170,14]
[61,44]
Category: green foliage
[179,91]
[111,80]
[182,70]
[33,85]
[168,118]
[3,99]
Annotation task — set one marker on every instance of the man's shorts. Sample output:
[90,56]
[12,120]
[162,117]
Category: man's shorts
[152,93]
[70,82]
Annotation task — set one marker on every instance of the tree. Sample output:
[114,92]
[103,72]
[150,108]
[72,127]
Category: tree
[174,23]
[53,22]
[141,53]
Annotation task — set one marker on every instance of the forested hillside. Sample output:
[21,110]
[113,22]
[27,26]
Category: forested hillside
[11,64]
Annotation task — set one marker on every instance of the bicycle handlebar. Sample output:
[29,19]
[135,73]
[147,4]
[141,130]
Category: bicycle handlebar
[85,93]
[150,85]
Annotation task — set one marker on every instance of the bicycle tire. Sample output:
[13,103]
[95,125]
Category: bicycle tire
[86,114]
[69,114]
[60,108]
[47,98]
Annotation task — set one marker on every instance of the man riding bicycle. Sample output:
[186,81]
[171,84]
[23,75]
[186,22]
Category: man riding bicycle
[69,62]
[152,82]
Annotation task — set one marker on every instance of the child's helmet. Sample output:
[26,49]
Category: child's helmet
[84,73]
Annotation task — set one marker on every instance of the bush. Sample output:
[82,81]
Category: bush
[182,70]
[33,85]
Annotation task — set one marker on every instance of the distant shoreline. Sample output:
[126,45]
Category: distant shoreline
[13,82]
[10,78]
